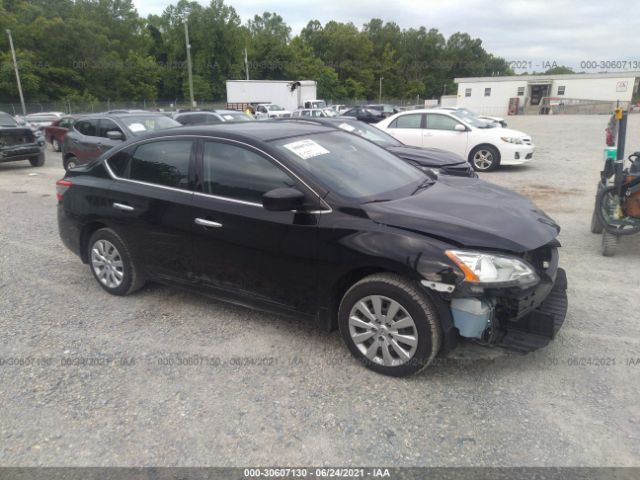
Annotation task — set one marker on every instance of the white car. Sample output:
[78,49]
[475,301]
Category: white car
[265,111]
[315,112]
[484,145]
[499,121]
[339,109]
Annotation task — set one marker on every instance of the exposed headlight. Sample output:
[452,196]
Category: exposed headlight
[493,270]
[517,141]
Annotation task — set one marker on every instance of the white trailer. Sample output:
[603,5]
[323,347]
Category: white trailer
[290,94]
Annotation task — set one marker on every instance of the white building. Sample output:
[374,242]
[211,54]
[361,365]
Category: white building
[580,92]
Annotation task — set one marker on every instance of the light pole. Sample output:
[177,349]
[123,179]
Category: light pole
[15,66]
[186,39]
[380,91]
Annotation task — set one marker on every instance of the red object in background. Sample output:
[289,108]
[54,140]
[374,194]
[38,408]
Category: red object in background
[57,130]
[609,137]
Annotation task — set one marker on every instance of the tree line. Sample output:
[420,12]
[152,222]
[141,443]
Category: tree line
[98,50]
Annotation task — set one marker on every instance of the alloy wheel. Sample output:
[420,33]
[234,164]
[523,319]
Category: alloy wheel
[483,159]
[107,264]
[383,331]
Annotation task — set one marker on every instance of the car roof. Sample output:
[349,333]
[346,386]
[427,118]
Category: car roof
[265,131]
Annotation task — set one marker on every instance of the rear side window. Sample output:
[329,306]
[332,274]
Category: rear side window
[87,127]
[407,121]
[162,163]
[238,173]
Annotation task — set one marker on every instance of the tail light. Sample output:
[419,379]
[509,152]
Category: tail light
[62,186]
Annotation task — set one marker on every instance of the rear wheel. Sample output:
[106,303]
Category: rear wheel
[389,325]
[37,161]
[485,158]
[70,162]
[112,264]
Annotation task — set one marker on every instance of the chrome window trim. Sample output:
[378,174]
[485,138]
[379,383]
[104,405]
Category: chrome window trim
[228,199]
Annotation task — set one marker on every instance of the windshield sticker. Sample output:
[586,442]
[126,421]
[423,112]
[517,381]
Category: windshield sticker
[137,127]
[306,148]
[347,127]
[228,117]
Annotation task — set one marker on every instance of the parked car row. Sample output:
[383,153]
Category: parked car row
[318,218]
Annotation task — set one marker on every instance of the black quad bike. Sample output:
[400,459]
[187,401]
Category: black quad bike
[617,205]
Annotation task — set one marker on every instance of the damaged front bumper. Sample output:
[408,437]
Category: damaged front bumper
[513,318]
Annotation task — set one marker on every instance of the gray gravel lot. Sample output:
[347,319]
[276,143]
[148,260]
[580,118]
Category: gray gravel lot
[258,389]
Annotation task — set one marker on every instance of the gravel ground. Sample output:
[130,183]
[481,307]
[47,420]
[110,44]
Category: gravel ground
[169,378]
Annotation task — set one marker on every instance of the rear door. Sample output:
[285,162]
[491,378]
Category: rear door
[241,250]
[440,133]
[85,145]
[408,129]
[150,204]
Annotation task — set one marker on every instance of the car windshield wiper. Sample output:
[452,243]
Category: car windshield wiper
[378,200]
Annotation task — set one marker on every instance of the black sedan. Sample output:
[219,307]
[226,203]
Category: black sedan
[318,223]
[426,159]
[365,114]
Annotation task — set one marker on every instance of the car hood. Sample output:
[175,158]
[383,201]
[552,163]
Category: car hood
[430,157]
[505,132]
[469,212]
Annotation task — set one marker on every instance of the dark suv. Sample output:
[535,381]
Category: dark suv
[92,135]
[20,142]
[321,224]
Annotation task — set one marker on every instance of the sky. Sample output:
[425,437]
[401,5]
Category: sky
[533,34]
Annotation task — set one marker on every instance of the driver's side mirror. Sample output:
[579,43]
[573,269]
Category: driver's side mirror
[115,135]
[460,128]
[283,199]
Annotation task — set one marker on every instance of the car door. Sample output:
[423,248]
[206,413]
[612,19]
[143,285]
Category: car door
[85,146]
[440,132]
[243,251]
[408,128]
[149,203]
[105,143]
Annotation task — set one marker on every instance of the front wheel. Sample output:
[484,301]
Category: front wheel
[485,158]
[389,325]
[37,161]
[112,265]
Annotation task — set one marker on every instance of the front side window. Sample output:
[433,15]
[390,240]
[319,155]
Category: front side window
[238,173]
[107,125]
[440,122]
[162,163]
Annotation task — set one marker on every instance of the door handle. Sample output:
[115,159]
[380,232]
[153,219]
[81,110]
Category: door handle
[207,223]
[122,206]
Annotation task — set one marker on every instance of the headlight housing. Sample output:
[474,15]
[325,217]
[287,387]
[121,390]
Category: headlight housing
[493,270]
[517,141]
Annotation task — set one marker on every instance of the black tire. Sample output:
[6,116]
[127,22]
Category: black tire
[596,225]
[609,244]
[70,162]
[132,277]
[418,306]
[37,161]
[55,144]
[491,159]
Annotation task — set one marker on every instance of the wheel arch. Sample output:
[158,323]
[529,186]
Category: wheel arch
[85,234]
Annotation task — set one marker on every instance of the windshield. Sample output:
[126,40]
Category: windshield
[274,108]
[236,117]
[371,133]
[148,123]
[471,119]
[7,120]
[351,167]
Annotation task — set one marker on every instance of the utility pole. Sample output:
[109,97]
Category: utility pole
[246,63]
[380,91]
[15,66]
[186,39]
